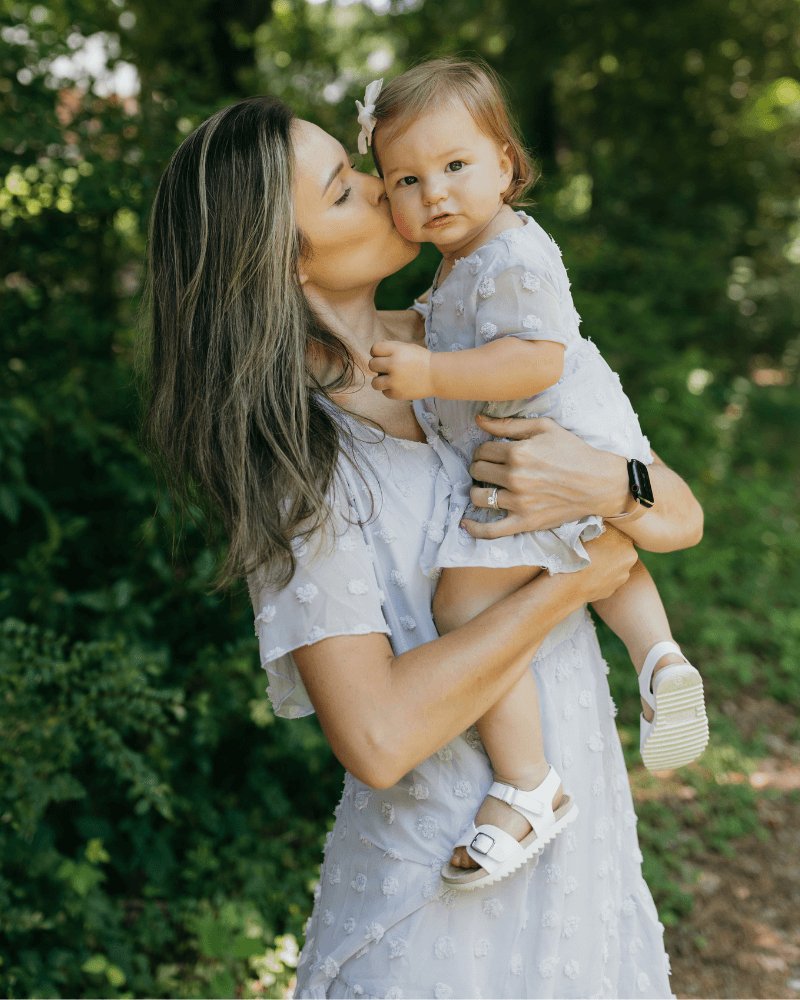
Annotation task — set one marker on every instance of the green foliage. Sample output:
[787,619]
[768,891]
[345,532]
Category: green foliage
[159,830]
[138,810]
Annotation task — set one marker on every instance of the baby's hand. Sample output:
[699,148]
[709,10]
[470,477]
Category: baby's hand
[403,371]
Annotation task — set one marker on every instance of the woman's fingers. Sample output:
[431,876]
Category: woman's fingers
[613,557]
[515,428]
[489,472]
[508,525]
[492,451]
[479,495]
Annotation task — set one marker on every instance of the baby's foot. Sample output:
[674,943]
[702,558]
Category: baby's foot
[501,814]
[674,726]
[665,661]
[502,846]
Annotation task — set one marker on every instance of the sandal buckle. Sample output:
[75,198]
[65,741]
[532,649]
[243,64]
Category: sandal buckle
[482,843]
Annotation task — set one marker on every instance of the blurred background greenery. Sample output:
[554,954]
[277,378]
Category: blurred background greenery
[159,829]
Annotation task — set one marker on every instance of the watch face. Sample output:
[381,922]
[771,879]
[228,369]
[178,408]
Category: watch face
[639,481]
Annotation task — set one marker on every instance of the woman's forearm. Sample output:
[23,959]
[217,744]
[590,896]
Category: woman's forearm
[674,522]
[383,714]
[676,519]
[441,688]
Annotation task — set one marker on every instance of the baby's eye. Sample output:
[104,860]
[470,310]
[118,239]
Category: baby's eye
[455,165]
[345,196]
[407,181]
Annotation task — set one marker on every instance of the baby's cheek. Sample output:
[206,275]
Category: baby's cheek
[403,223]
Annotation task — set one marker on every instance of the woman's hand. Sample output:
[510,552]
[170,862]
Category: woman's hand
[613,557]
[548,476]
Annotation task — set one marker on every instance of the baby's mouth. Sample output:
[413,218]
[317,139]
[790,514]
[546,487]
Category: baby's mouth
[438,220]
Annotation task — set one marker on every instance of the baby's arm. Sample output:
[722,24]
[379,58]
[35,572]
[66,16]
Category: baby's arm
[503,369]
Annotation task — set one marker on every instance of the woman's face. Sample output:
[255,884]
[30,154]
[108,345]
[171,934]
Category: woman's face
[344,215]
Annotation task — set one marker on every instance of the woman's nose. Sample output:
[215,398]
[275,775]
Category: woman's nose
[374,189]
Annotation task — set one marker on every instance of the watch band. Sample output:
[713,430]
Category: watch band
[633,511]
[640,496]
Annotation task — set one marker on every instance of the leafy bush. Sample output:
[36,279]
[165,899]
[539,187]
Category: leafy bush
[148,841]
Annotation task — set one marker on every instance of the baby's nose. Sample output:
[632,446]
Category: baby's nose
[434,193]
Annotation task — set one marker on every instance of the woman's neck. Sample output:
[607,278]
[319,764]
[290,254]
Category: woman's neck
[351,316]
[358,324]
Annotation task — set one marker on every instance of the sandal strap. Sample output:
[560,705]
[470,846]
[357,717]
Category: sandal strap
[533,804]
[646,676]
[490,846]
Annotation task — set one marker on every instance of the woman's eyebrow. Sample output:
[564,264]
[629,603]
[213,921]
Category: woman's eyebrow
[333,175]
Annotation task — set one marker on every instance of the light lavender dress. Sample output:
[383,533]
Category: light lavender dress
[580,922]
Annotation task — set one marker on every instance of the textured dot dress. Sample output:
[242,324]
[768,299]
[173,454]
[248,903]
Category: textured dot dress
[580,922]
[516,285]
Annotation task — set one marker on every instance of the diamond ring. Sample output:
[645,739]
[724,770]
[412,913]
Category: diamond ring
[492,499]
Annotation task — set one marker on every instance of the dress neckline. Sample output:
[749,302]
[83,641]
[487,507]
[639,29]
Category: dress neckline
[338,412]
[503,234]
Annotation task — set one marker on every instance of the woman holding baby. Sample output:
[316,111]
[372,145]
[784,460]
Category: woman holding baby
[282,398]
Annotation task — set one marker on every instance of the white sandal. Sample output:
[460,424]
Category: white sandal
[497,852]
[678,731]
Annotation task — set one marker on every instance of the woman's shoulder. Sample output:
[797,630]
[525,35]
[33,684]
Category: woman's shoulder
[406,325]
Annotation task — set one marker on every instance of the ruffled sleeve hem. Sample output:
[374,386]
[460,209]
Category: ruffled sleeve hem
[334,591]
[285,687]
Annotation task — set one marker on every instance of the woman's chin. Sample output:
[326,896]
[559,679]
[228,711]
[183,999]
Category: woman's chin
[411,249]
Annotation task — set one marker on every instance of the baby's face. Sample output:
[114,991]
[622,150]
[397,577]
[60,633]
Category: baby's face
[445,179]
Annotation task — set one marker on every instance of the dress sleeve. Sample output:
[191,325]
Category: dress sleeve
[422,308]
[334,591]
[519,302]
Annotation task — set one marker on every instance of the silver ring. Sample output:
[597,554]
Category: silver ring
[492,499]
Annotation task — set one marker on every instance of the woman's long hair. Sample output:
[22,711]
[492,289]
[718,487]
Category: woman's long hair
[232,413]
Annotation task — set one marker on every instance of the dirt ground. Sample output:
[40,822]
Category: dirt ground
[742,938]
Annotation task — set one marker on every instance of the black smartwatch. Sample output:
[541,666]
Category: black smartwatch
[639,483]
[641,497]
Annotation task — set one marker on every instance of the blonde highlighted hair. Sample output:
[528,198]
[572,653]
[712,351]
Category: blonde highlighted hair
[235,416]
[441,82]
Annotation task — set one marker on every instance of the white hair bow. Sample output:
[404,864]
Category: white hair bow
[366,115]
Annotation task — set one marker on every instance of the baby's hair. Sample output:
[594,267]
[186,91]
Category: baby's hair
[449,80]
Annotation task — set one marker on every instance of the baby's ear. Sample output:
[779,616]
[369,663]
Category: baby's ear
[506,166]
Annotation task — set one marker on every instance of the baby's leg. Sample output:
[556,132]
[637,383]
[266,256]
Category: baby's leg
[635,613]
[675,732]
[463,592]
[511,729]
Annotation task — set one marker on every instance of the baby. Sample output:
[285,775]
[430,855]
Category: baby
[502,339]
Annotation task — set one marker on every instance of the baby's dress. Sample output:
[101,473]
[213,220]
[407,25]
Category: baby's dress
[581,921]
[516,285]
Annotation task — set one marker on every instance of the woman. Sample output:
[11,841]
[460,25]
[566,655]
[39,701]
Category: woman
[266,250]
